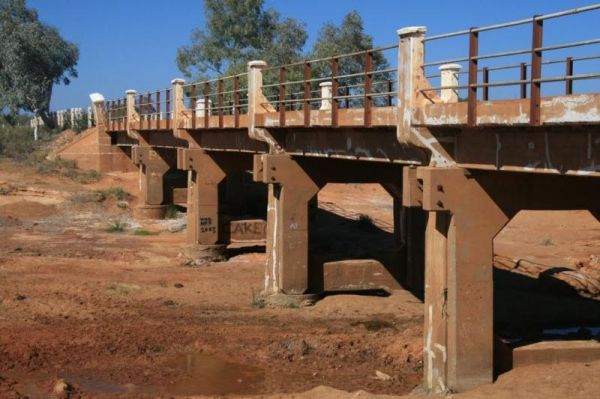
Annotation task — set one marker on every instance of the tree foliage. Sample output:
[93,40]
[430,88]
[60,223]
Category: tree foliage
[33,57]
[236,32]
[349,37]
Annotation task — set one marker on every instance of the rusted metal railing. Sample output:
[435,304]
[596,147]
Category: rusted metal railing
[155,110]
[116,114]
[530,74]
[354,80]
[221,97]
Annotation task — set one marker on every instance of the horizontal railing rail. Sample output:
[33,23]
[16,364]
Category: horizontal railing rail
[116,114]
[361,79]
[530,73]
[223,96]
[153,108]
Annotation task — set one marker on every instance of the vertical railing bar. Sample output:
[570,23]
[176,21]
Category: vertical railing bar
[206,104]
[148,117]
[220,101]
[347,94]
[236,99]
[334,92]
[281,105]
[569,72]
[125,116]
[536,71]
[193,105]
[472,92]
[486,80]
[523,79]
[115,123]
[306,94]
[368,101]
[158,110]
[168,108]
[390,89]
[119,121]
[141,109]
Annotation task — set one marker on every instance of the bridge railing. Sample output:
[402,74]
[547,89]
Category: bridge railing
[155,110]
[530,74]
[116,114]
[223,98]
[363,79]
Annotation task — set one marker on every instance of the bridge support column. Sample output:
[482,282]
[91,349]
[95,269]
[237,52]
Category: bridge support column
[463,220]
[205,234]
[409,234]
[291,190]
[154,164]
[219,202]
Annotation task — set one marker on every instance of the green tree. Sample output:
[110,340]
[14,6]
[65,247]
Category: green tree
[347,38]
[238,31]
[33,57]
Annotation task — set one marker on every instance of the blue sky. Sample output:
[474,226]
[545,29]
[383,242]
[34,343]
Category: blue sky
[132,44]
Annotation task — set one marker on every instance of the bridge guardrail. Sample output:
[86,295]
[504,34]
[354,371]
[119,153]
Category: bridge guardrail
[533,79]
[224,96]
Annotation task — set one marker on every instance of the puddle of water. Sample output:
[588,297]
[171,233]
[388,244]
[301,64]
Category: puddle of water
[572,332]
[89,385]
[204,374]
[198,374]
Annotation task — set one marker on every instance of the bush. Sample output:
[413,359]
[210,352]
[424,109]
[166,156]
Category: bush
[171,211]
[142,232]
[100,195]
[116,227]
[66,168]
[18,143]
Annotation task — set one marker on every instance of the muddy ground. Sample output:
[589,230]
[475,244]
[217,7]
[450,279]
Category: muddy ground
[90,312]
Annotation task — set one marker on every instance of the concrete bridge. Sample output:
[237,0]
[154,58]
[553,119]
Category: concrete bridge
[458,167]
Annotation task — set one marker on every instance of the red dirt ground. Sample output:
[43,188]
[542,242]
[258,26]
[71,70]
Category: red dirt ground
[120,315]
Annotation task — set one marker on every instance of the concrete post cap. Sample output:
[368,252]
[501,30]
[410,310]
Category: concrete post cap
[450,67]
[96,98]
[177,81]
[131,91]
[411,30]
[257,64]
[325,84]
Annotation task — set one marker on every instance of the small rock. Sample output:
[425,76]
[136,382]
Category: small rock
[178,285]
[61,389]
[196,262]
[169,302]
[382,376]
[177,225]
[20,297]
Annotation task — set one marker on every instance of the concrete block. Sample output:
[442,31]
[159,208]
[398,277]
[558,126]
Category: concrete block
[357,274]
[247,230]
[556,352]
[180,196]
